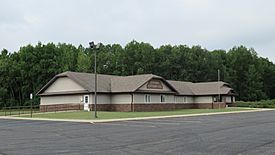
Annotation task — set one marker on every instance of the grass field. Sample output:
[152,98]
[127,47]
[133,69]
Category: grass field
[2,113]
[114,115]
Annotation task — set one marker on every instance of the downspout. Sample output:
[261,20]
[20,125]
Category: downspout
[132,103]
[220,102]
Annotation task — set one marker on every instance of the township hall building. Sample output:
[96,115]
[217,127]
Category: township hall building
[147,92]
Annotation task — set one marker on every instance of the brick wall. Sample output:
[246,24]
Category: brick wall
[154,107]
[101,107]
[174,106]
[121,107]
[134,107]
[60,107]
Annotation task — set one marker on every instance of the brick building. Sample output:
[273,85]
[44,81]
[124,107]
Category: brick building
[147,92]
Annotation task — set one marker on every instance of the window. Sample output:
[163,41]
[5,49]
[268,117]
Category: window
[162,98]
[177,99]
[214,99]
[86,99]
[184,99]
[147,98]
[181,99]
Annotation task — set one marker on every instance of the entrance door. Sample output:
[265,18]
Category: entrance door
[86,102]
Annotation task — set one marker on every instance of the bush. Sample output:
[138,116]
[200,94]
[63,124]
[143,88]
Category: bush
[257,104]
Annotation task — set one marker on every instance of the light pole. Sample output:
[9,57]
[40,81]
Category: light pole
[219,88]
[95,47]
[31,102]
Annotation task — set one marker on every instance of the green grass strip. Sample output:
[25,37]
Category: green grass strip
[85,115]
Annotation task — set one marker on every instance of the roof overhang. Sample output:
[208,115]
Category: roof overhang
[64,93]
[155,92]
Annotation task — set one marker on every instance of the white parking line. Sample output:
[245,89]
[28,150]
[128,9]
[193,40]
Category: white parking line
[127,124]
[155,123]
[175,121]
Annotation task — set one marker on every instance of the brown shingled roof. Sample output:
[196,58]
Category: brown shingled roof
[211,88]
[130,83]
[119,84]
[107,83]
[182,87]
[203,88]
[86,80]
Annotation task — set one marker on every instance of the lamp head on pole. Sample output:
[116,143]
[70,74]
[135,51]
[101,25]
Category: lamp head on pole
[92,44]
[98,46]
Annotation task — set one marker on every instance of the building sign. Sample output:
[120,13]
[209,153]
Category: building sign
[154,84]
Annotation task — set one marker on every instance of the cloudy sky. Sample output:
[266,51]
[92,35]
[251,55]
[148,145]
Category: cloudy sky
[213,24]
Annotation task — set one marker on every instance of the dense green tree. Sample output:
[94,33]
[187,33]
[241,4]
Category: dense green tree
[83,60]
[27,70]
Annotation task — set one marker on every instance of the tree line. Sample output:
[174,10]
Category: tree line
[32,66]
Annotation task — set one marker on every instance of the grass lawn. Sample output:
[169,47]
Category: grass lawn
[2,113]
[114,115]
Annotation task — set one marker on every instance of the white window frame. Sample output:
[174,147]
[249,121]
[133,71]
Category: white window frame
[162,97]
[147,98]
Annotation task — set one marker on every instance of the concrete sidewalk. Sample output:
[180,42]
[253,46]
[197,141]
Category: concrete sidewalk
[135,118]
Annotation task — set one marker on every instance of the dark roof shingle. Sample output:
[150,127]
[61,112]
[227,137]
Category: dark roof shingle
[118,84]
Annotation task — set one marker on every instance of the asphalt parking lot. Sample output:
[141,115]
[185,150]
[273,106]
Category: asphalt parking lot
[245,133]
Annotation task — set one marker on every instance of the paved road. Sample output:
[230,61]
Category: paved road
[246,133]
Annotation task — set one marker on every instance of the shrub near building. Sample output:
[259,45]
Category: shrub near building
[257,104]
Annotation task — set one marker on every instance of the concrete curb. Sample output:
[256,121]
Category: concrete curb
[133,119]
[46,119]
